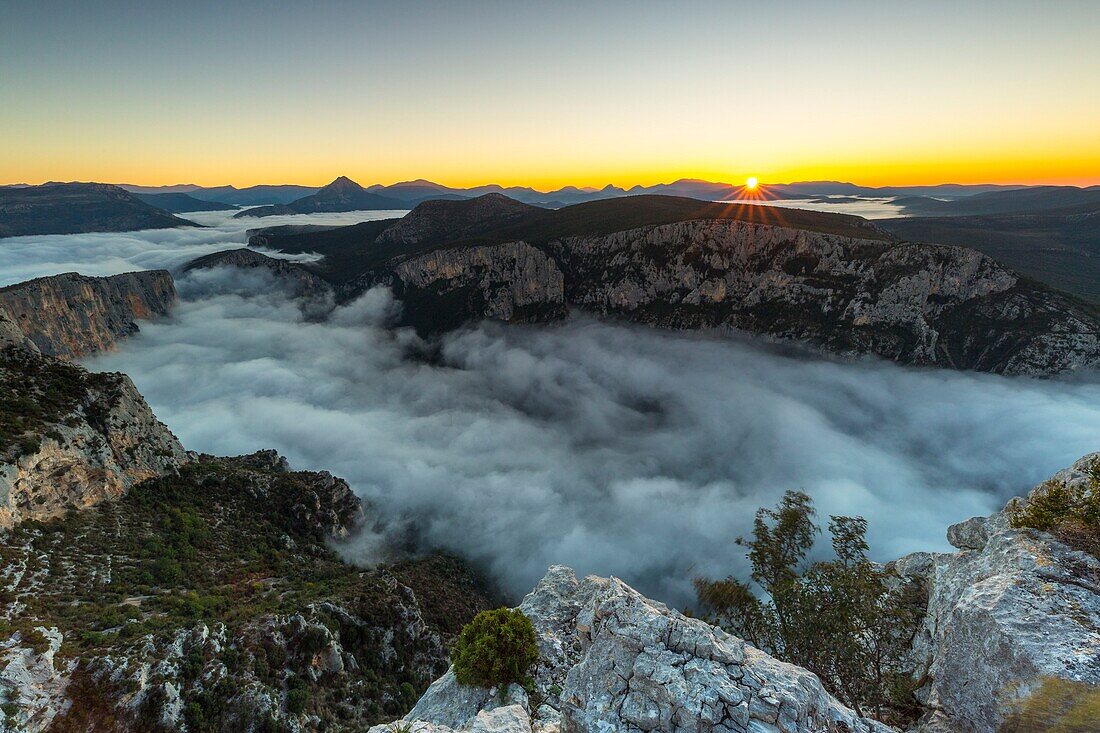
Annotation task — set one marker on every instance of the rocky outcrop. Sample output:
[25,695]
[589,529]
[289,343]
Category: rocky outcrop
[302,281]
[89,438]
[34,679]
[72,208]
[512,282]
[72,315]
[1014,609]
[613,660]
[912,303]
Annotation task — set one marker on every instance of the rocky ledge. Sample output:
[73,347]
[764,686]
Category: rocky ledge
[73,315]
[1012,615]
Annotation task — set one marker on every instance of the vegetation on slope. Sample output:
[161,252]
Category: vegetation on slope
[1069,511]
[37,393]
[238,547]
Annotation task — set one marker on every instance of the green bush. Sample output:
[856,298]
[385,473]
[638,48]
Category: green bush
[495,649]
[1069,512]
[296,700]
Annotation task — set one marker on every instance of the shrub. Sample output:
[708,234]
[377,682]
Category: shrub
[1069,512]
[495,649]
[296,700]
[846,620]
[1058,706]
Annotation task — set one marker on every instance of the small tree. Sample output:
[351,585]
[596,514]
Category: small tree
[846,620]
[495,649]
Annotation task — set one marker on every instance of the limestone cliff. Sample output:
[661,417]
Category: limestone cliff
[70,439]
[439,290]
[836,282]
[912,303]
[72,315]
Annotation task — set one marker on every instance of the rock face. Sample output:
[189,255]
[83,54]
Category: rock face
[72,208]
[1014,608]
[613,660]
[512,282]
[836,282]
[73,315]
[912,303]
[92,437]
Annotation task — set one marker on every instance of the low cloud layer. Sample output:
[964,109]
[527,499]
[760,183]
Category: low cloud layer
[109,253]
[611,448]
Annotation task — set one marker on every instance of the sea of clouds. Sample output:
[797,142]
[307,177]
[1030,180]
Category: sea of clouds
[612,448]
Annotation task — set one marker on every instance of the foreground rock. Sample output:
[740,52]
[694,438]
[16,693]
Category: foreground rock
[613,660]
[72,439]
[72,315]
[1013,610]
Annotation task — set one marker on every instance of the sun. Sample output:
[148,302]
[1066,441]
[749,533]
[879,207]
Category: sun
[751,183]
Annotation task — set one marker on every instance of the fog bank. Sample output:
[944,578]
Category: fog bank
[614,449]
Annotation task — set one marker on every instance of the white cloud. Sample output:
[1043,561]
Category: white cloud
[611,448]
[608,447]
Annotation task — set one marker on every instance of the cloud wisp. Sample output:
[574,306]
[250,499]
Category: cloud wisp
[611,448]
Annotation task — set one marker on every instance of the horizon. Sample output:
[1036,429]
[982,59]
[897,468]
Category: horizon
[150,96]
[762,184]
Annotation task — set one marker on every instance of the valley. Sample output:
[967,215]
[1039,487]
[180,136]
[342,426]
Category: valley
[211,590]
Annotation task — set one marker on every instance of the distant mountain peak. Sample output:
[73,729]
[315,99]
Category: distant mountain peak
[342,184]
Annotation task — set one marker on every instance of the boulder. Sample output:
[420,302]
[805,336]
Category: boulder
[1016,608]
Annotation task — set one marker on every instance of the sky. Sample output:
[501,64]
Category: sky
[549,94]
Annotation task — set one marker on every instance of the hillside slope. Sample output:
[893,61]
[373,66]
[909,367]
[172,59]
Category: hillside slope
[1060,247]
[73,208]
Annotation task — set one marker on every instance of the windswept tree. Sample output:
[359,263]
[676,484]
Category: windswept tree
[848,620]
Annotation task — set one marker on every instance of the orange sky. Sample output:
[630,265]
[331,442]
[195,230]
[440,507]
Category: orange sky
[551,94]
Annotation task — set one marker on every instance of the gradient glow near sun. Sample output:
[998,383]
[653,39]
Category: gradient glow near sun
[751,183]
